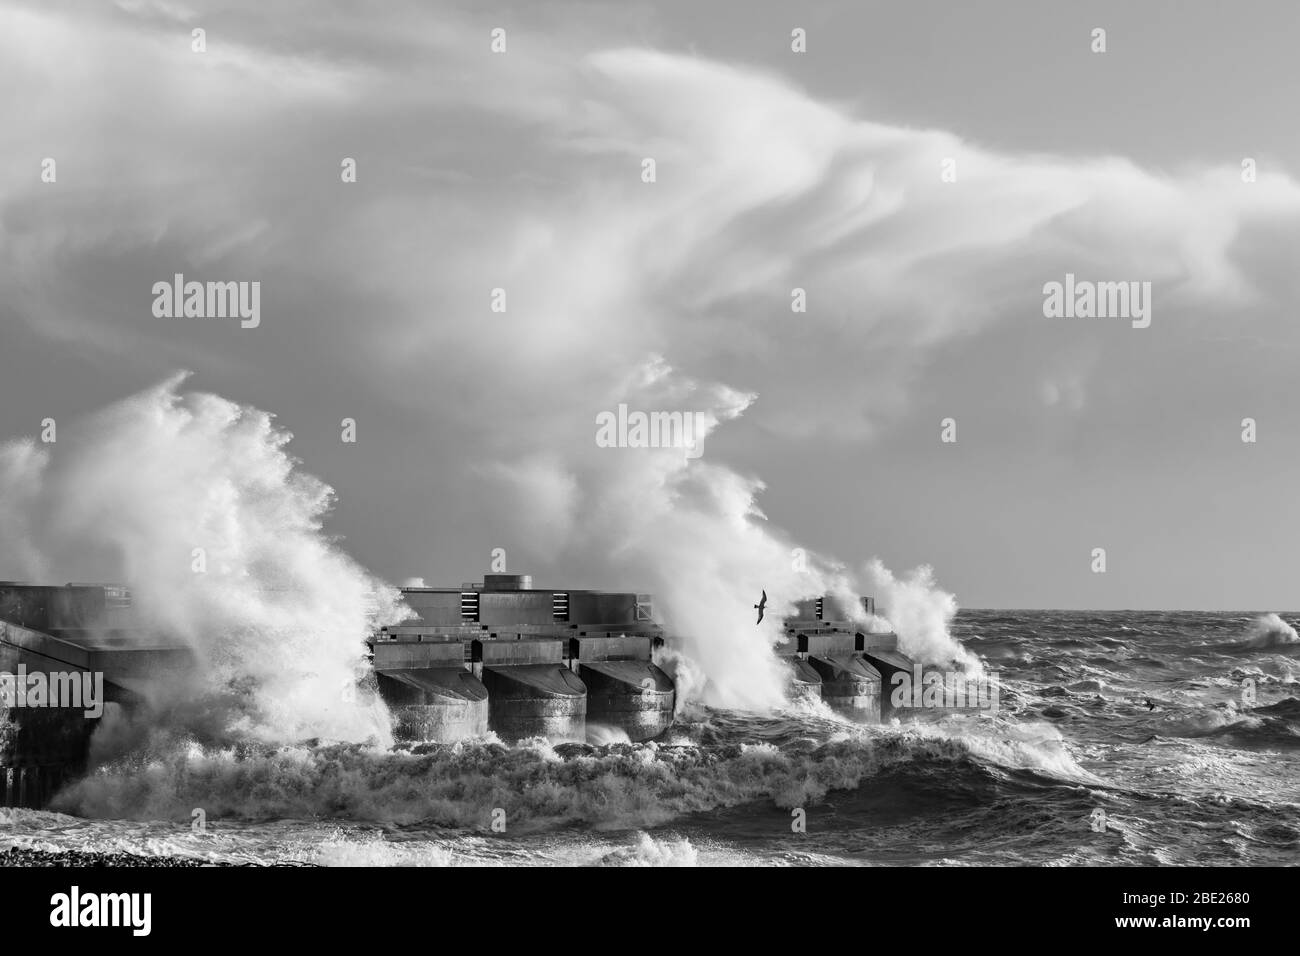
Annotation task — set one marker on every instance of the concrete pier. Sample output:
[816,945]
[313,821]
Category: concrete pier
[435,703]
[500,656]
[40,747]
[63,634]
[833,657]
[850,685]
[888,661]
[805,682]
[536,700]
[549,662]
[531,691]
[624,690]
[432,693]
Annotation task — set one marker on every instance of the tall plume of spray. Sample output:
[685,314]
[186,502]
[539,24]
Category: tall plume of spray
[921,613]
[708,550]
[690,530]
[274,612]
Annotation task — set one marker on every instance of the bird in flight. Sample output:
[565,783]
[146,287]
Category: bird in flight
[759,607]
[1150,706]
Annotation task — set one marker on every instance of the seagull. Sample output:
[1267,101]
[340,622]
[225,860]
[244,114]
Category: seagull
[759,607]
[1150,706]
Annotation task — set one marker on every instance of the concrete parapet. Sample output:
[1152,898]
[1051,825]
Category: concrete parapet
[510,653]
[416,654]
[620,647]
[885,641]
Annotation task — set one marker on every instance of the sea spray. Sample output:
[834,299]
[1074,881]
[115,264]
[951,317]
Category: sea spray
[921,614]
[691,531]
[21,465]
[193,501]
[539,785]
[687,529]
[1269,630]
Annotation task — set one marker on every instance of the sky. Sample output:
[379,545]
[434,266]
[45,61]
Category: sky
[775,170]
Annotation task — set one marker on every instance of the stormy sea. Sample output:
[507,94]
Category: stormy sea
[1120,738]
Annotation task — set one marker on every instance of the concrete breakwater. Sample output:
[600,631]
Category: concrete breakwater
[499,656]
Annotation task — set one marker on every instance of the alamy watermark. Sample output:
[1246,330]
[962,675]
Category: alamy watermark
[943,689]
[635,429]
[208,300]
[78,690]
[1084,299]
[75,908]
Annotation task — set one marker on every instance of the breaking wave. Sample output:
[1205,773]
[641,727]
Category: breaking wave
[793,761]
[1269,630]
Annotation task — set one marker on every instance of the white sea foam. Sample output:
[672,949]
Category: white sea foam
[193,501]
[1269,630]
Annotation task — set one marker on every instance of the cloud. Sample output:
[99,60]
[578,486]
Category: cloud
[523,172]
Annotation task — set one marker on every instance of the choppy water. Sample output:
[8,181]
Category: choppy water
[1201,778]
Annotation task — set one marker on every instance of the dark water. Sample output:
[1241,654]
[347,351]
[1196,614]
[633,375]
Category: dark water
[1076,767]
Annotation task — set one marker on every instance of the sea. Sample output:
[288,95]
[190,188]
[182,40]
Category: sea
[1119,738]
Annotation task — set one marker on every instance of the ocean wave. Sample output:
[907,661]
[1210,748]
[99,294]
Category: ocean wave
[647,851]
[796,761]
[1269,630]
[1276,725]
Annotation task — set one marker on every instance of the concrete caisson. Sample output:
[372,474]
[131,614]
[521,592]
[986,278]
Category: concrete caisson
[530,691]
[625,690]
[832,658]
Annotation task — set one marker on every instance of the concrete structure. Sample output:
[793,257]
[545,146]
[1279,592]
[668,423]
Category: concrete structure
[502,656]
[68,631]
[523,662]
[836,659]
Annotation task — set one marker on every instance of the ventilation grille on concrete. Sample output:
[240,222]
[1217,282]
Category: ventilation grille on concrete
[469,606]
[560,605]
